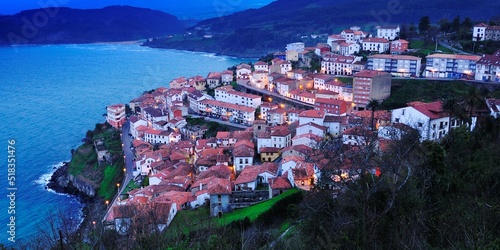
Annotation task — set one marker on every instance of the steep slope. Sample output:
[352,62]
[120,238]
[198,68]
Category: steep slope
[257,31]
[65,25]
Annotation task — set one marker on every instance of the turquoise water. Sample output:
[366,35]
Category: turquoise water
[51,95]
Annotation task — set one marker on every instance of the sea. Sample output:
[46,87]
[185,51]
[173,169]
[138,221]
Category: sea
[50,96]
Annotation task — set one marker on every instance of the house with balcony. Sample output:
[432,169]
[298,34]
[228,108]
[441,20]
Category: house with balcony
[397,65]
[488,68]
[115,115]
[332,64]
[451,66]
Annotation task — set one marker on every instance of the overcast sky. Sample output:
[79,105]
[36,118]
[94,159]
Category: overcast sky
[182,9]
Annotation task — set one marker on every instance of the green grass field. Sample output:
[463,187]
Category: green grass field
[254,211]
[190,220]
[429,48]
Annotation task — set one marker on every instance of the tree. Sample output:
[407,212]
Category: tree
[373,105]
[454,110]
[412,31]
[455,24]
[467,24]
[472,100]
[444,25]
[403,34]
[424,24]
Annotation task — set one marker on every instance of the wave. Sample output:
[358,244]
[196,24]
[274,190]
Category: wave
[44,179]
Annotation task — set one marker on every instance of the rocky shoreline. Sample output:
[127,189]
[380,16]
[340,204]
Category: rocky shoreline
[63,182]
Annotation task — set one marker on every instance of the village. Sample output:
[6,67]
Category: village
[281,145]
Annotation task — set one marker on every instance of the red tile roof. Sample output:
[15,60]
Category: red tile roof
[312,114]
[375,40]
[279,183]
[432,110]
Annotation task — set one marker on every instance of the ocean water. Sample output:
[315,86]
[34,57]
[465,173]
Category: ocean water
[52,94]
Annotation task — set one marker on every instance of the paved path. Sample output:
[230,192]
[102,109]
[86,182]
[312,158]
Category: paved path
[454,49]
[129,157]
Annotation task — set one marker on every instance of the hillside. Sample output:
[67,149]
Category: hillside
[258,31]
[65,25]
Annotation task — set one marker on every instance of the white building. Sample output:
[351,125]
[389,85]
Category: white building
[154,136]
[243,71]
[428,118]
[314,116]
[152,115]
[233,112]
[451,66]
[354,34]
[226,77]
[261,66]
[482,32]
[115,115]
[488,67]
[397,65]
[311,128]
[494,107]
[389,32]
[227,94]
[243,156]
[196,97]
[332,64]
[348,48]
[375,44]
[280,66]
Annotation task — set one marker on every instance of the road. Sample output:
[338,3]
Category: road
[454,49]
[129,157]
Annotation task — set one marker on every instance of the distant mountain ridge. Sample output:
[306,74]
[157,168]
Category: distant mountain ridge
[66,25]
[269,28]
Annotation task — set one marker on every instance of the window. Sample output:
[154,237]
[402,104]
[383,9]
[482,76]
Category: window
[241,161]
[420,124]
[246,161]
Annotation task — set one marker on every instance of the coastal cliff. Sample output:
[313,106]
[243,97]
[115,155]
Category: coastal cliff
[63,182]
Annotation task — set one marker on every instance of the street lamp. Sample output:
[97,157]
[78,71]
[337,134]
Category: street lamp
[107,202]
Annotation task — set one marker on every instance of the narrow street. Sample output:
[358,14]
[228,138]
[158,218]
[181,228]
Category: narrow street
[129,166]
